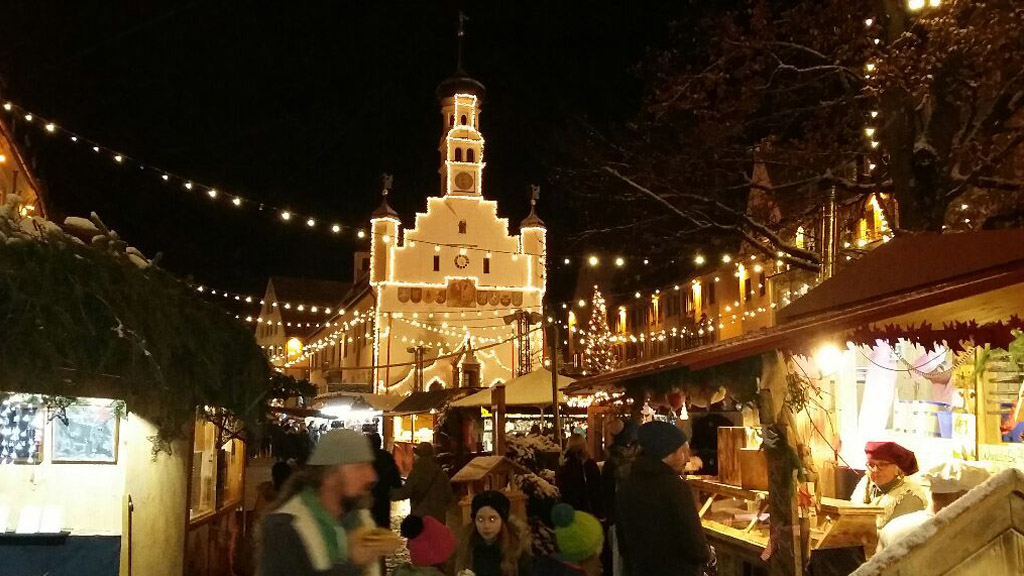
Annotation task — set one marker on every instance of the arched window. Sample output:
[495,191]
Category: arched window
[458,154]
[451,121]
[463,120]
[469,155]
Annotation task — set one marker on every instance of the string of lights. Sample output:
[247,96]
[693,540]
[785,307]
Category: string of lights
[188,185]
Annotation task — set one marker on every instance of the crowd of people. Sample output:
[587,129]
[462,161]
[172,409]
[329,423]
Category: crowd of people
[331,517]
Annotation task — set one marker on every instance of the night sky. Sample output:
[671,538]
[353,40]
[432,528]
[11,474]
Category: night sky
[304,105]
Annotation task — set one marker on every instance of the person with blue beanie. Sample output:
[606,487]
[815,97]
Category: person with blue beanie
[659,530]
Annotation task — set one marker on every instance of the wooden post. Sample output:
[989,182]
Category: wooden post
[498,401]
[554,385]
[786,558]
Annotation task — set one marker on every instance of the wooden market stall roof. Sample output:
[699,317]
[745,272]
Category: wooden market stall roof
[533,389]
[989,290]
[909,263]
[436,400]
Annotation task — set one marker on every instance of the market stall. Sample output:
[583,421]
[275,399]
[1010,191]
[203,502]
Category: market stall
[527,405]
[106,360]
[420,417]
[917,343]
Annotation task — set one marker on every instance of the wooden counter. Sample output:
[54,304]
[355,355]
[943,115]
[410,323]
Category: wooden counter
[735,521]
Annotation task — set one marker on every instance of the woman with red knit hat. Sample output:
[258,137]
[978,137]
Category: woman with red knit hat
[886,485]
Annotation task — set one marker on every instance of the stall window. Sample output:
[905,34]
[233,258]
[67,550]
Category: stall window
[762,285]
[487,265]
[437,263]
[462,226]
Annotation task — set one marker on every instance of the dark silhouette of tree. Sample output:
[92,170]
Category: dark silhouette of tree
[814,101]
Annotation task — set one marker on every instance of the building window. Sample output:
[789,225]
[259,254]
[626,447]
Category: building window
[463,120]
[748,288]
[437,263]
[451,121]
[462,226]
[469,155]
[487,265]
[458,154]
[762,284]
[711,291]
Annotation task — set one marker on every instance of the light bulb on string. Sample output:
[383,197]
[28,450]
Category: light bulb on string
[335,228]
[50,127]
[620,261]
[310,222]
[212,192]
[286,215]
[236,201]
[188,185]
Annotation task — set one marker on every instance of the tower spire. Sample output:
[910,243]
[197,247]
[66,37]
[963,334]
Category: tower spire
[461,35]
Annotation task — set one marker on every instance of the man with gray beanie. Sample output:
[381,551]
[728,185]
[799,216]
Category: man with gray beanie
[319,527]
[660,531]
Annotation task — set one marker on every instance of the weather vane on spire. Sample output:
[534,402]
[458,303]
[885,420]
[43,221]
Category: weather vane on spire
[534,194]
[387,179]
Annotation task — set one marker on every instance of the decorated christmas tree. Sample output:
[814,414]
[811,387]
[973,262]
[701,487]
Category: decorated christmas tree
[598,351]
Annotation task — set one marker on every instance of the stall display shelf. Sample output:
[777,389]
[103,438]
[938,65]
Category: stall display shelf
[736,517]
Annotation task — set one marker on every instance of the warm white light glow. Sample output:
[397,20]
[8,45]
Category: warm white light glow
[50,127]
[915,4]
[726,259]
[582,303]
[620,262]
[212,193]
[335,228]
[869,131]
[828,358]
[310,222]
[698,259]
[593,261]
[236,201]
[118,158]
[361,234]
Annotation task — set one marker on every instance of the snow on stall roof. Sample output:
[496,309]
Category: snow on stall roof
[889,557]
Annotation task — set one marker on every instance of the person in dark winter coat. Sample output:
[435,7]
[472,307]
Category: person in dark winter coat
[579,478]
[427,487]
[388,479]
[621,454]
[319,527]
[661,533]
[494,543]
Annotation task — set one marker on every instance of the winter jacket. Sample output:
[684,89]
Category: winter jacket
[388,479]
[485,559]
[614,471]
[293,545]
[661,534]
[428,488]
[579,482]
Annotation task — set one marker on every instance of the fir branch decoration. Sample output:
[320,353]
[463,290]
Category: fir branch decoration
[84,314]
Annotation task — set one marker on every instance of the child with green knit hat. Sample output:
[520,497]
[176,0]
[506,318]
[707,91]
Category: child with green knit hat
[580,539]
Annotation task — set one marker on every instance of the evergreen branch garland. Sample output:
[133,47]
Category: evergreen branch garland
[76,319]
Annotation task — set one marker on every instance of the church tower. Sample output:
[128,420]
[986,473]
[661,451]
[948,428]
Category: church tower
[462,145]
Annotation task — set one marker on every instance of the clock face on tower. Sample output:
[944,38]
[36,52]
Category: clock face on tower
[463,181]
